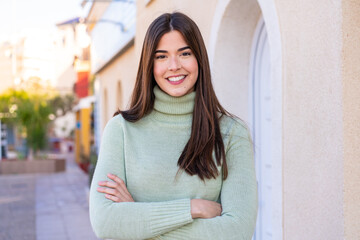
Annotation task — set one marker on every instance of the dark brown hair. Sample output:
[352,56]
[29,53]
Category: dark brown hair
[196,158]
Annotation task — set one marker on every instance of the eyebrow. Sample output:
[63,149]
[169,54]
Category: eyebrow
[179,50]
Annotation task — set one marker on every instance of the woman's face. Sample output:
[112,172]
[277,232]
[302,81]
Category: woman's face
[175,66]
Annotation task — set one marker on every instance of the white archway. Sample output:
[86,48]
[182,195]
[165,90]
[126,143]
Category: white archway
[261,127]
[232,60]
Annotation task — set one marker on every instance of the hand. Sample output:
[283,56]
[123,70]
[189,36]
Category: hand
[201,208]
[115,190]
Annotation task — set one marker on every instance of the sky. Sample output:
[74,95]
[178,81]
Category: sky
[18,15]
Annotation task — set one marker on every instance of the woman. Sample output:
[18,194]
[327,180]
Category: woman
[175,165]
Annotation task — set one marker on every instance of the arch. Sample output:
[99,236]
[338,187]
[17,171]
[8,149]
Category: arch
[230,48]
[231,58]
[261,126]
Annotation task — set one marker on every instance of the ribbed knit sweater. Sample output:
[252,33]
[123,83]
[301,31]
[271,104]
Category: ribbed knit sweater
[145,154]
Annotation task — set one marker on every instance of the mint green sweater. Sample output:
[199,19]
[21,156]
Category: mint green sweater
[145,154]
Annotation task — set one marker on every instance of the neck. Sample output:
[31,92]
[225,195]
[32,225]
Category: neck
[169,108]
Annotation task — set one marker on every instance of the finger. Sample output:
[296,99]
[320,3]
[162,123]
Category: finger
[120,182]
[113,198]
[109,184]
[116,196]
[116,179]
[117,192]
[107,191]
[120,187]
[124,193]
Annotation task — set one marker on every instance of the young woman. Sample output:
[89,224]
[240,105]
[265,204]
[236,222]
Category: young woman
[175,165]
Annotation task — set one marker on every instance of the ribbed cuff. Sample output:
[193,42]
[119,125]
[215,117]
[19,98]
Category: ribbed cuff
[170,215]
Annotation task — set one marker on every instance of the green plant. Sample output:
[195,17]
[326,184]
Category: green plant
[31,113]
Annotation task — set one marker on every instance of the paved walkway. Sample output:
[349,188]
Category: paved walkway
[45,206]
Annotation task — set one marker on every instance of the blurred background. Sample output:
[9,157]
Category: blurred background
[46,129]
[290,69]
[44,50]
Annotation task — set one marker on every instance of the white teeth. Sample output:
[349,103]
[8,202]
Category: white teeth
[175,79]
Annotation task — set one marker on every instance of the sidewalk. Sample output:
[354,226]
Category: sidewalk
[45,206]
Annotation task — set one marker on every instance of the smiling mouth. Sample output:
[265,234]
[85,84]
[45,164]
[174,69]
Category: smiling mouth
[176,80]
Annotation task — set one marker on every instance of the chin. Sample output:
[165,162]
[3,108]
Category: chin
[177,94]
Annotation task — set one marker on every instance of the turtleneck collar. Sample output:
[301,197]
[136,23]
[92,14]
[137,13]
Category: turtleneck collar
[174,109]
[167,104]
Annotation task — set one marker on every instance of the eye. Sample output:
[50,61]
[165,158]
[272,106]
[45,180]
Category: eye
[185,54]
[160,57]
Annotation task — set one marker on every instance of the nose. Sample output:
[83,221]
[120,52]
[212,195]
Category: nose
[174,64]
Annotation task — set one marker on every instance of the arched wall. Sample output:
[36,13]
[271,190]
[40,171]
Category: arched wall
[230,58]
[230,45]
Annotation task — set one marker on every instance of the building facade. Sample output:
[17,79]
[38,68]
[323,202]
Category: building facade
[290,70]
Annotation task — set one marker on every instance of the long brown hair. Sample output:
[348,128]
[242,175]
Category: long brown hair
[205,138]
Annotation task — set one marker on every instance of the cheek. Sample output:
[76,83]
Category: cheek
[193,68]
[156,70]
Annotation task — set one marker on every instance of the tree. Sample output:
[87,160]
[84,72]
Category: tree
[62,104]
[31,113]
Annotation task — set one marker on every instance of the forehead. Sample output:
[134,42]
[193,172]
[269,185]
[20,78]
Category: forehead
[171,40]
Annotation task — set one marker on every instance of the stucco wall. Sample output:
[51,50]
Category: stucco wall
[351,114]
[312,119]
[123,70]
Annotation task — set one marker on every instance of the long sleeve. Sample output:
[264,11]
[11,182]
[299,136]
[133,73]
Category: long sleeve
[238,197]
[129,220]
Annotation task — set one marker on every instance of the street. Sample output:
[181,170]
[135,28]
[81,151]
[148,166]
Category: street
[45,206]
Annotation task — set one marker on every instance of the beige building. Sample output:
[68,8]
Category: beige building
[291,70]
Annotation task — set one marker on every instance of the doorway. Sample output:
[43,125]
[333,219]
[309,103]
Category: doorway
[245,57]
[261,128]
